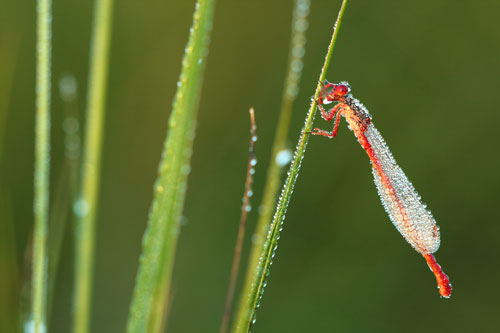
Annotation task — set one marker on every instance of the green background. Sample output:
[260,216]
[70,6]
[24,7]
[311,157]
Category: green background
[428,71]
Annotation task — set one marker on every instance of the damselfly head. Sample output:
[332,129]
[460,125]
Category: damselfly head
[341,89]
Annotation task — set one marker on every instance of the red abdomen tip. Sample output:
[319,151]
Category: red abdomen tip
[442,279]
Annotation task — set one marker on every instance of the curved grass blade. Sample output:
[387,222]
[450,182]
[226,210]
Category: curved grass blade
[42,166]
[274,171]
[247,314]
[85,207]
[155,267]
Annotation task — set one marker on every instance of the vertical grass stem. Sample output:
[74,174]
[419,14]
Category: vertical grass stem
[42,167]
[85,207]
[274,171]
[247,314]
[153,282]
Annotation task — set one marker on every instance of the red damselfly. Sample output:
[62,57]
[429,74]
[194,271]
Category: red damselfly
[403,204]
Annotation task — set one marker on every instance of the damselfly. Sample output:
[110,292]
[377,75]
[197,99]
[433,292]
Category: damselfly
[405,208]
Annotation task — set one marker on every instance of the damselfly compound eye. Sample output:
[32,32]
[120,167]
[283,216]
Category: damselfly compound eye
[342,90]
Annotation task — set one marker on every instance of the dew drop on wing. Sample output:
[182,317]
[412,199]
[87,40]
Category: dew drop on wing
[401,201]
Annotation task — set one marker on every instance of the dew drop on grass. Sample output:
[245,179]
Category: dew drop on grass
[297,65]
[71,125]
[186,169]
[81,208]
[68,87]
[283,157]
[29,327]
[183,220]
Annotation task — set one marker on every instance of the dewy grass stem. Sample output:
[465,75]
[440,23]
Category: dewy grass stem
[42,168]
[245,208]
[85,207]
[152,289]
[274,171]
[247,314]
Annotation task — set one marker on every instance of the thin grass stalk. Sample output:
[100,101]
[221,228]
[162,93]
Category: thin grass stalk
[274,171]
[247,315]
[42,168]
[245,208]
[153,282]
[85,207]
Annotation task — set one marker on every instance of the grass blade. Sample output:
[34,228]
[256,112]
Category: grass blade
[245,208]
[295,64]
[247,314]
[42,166]
[86,204]
[160,239]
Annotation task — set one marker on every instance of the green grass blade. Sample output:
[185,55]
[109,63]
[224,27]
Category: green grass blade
[86,204]
[42,164]
[295,65]
[247,314]
[155,267]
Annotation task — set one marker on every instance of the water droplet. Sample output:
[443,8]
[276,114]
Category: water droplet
[29,327]
[186,169]
[301,25]
[253,162]
[68,87]
[70,125]
[81,208]
[183,221]
[283,157]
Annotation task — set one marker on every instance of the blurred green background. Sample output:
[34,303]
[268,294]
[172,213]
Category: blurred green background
[428,71]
